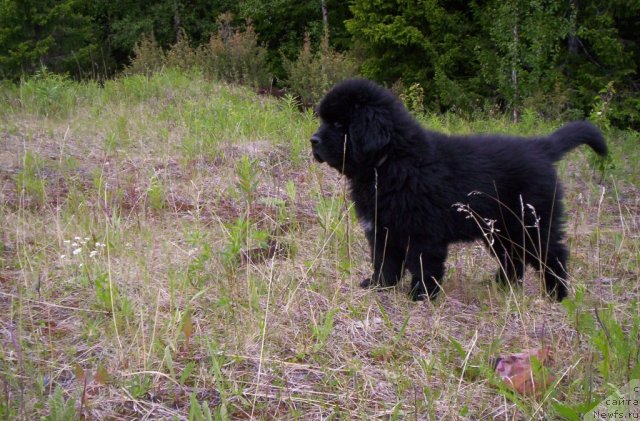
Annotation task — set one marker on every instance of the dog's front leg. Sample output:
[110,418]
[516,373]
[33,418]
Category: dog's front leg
[388,261]
[427,269]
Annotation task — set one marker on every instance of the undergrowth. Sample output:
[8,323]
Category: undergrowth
[169,250]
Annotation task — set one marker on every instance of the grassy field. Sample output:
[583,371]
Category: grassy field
[168,250]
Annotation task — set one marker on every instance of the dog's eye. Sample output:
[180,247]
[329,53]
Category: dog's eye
[337,125]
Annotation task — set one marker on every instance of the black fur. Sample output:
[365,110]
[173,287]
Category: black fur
[415,191]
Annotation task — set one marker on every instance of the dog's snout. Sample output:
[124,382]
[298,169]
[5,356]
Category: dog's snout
[315,140]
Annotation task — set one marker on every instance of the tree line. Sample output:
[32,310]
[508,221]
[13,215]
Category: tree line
[559,58]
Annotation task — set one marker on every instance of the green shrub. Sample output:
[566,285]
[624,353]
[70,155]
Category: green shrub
[48,94]
[148,56]
[312,74]
[181,55]
[412,96]
[234,55]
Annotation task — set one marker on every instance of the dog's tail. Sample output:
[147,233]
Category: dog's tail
[571,136]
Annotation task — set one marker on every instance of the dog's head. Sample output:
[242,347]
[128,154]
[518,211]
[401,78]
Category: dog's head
[358,125]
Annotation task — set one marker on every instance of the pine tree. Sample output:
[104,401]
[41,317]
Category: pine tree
[46,33]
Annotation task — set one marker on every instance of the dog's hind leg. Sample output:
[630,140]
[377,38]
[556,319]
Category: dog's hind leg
[427,270]
[511,266]
[550,257]
[555,273]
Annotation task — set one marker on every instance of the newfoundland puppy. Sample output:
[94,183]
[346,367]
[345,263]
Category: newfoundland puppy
[416,191]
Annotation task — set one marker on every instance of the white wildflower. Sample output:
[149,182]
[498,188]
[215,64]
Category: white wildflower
[77,251]
[93,253]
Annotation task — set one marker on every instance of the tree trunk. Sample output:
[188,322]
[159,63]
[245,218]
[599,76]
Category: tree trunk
[325,18]
[573,28]
[514,70]
[176,21]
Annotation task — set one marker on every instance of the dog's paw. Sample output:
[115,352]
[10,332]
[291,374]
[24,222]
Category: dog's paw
[560,292]
[419,294]
[368,283]
[505,281]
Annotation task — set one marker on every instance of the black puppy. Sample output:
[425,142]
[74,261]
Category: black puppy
[416,191]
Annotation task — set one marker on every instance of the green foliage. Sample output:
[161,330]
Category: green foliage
[242,235]
[323,327]
[247,178]
[335,216]
[615,343]
[104,292]
[234,55]
[156,195]
[601,108]
[59,409]
[618,347]
[138,386]
[181,55]
[519,53]
[197,270]
[28,180]
[110,299]
[48,94]
[544,55]
[582,320]
[609,52]
[198,412]
[432,45]
[123,22]
[57,35]
[223,386]
[312,74]
[412,97]
[282,25]
[148,56]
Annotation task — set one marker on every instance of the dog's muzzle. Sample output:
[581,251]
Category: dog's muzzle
[315,143]
[315,140]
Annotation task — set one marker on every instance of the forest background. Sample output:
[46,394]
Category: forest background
[561,59]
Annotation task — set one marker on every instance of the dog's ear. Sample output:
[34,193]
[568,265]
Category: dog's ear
[370,131]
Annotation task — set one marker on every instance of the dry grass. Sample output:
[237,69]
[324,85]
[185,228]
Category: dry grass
[165,305]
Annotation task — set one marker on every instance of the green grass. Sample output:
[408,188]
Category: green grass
[169,250]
